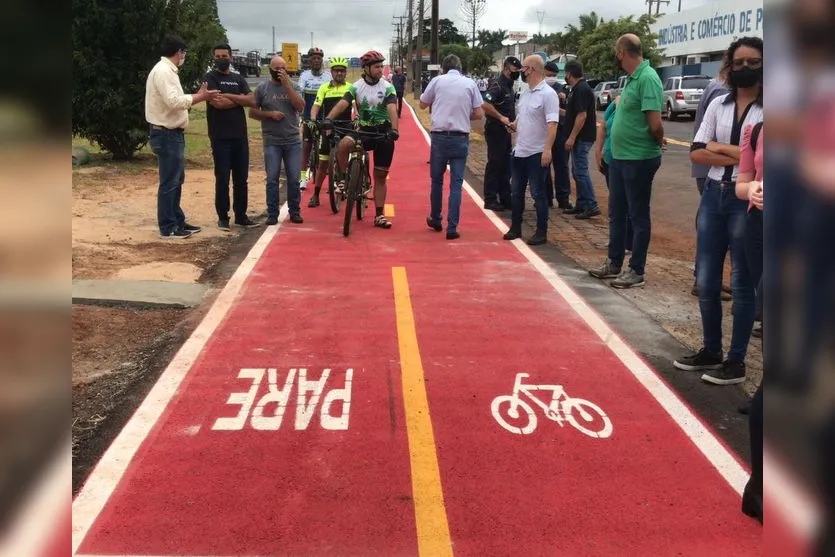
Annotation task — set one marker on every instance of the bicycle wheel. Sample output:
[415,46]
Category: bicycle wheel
[507,407]
[599,424]
[335,198]
[362,202]
[354,189]
[313,161]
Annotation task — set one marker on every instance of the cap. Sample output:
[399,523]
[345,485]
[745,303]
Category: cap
[513,61]
[552,67]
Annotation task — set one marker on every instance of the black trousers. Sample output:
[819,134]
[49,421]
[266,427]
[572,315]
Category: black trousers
[497,172]
[399,103]
[231,156]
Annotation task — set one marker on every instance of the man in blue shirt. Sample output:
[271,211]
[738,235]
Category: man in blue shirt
[398,79]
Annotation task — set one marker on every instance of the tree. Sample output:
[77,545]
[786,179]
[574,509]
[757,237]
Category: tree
[597,49]
[491,41]
[479,62]
[197,22]
[447,32]
[115,44]
[473,61]
[473,11]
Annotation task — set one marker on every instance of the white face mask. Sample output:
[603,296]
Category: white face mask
[551,80]
[182,60]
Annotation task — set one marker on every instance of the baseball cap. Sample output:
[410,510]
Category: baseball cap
[552,67]
[513,61]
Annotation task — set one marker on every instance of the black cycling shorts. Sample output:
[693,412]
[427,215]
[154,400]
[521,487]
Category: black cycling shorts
[383,148]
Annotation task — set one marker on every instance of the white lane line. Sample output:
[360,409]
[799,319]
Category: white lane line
[109,471]
[711,447]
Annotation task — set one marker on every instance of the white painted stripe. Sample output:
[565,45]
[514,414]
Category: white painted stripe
[701,436]
[109,471]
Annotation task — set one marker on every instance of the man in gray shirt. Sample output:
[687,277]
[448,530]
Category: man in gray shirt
[278,103]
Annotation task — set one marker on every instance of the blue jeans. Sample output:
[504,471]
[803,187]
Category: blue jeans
[291,155]
[524,170]
[169,147]
[452,150]
[630,191]
[722,223]
[580,170]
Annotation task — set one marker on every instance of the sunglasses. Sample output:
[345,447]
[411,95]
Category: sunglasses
[753,63]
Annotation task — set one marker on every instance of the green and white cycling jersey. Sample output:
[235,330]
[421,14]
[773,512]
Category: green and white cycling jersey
[372,101]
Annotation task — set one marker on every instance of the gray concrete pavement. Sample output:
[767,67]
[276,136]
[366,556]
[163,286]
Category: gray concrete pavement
[139,293]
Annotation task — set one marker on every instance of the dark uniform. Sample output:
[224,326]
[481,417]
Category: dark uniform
[560,186]
[497,174]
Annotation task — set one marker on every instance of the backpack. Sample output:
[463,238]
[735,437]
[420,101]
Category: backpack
[755,135]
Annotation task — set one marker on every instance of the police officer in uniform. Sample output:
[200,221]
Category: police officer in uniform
[500,108]
[560,187]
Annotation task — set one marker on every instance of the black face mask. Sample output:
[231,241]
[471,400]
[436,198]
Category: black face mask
[275,75]
[524,77]
[514,76]
[222,64]
[746,77]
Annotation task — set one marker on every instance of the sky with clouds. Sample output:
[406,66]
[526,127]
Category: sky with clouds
[350,27]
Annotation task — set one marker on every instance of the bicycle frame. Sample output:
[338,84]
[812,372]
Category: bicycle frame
[552,410]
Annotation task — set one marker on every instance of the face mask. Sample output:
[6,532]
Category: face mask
[182,60]
[514,76]
[222,64]
[744,78]
[524,77]
[551,80]
[275,75]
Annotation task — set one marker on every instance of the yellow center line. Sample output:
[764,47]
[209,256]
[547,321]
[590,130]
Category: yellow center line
[388,210]
[430,513]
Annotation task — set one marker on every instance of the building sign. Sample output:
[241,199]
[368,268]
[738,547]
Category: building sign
[709,28]
[518,36]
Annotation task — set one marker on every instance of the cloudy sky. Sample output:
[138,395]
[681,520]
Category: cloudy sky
[350,27]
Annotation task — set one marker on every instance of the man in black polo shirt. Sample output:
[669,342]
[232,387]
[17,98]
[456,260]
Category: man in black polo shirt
[580,124]
[227,132]
[500,108]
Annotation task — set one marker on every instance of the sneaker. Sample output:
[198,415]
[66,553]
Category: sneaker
[191,228]
[434,225]
[296,219]
[246,222]
[272,220]
[314,201]
[512,234]
[537,239]
[588,213]
[700,361]
[564,205]
[572,210]
[497,207]
[303,181]
[606,271]
[178,234]
[628,279]
[757,332]
[730,373]
[223,224]
[452,235]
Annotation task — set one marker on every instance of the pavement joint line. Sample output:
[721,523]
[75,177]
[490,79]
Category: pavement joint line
[428,496]
[107,474]
[714,450]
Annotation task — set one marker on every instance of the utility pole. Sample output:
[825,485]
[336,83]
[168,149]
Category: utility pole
[273,40]
[540,14]
[409,48]
[434,37]
[397,59]
[419,63]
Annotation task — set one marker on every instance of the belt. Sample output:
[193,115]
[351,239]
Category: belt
[155,127]
[448,132]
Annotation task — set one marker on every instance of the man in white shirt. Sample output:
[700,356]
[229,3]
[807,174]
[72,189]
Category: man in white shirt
[536,127]
[166,110]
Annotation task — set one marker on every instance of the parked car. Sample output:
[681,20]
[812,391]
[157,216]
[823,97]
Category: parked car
[682,95]
[604,93]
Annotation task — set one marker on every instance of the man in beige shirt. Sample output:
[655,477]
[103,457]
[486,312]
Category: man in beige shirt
[166,110]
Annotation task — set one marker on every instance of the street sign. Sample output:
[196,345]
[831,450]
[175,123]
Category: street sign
[290,53]
[518,36]
[434,67]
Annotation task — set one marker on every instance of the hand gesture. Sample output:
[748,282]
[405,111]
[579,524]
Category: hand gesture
[285,77]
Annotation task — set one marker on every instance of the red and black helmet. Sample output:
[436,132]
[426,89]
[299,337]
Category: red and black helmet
[371,57]
[315,51]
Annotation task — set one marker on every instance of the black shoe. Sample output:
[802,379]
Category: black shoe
[752,505]
[564,205]
[191,228]
[296,219]
[178,234]
[572,210]
[246,222]
[731,373]
[434,225]
[314,201]
[700,361]
[223,224]
[537,239]
[272,220]
[452,235]
[588,213]
[745,407]
[512,234]
[494,207]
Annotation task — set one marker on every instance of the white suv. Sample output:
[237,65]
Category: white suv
[682,95]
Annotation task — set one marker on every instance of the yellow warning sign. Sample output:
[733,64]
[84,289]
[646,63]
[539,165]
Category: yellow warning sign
[290,53]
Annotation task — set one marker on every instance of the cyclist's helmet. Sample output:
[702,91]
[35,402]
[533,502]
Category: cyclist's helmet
[315,51]
[339,62]
[371,57]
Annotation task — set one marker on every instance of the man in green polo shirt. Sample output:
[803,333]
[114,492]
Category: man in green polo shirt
[637,138]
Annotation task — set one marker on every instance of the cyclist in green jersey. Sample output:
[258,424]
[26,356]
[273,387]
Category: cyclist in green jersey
[376,102]
[327,97]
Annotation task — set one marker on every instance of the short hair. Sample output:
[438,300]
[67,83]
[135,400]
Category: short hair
[171,45]
[575,68]
[451,62]
[223,46]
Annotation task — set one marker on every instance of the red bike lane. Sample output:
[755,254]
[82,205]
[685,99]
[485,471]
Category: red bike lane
[344,405]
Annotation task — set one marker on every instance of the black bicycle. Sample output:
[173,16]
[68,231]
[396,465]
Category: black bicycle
[313,159]
[358,182]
